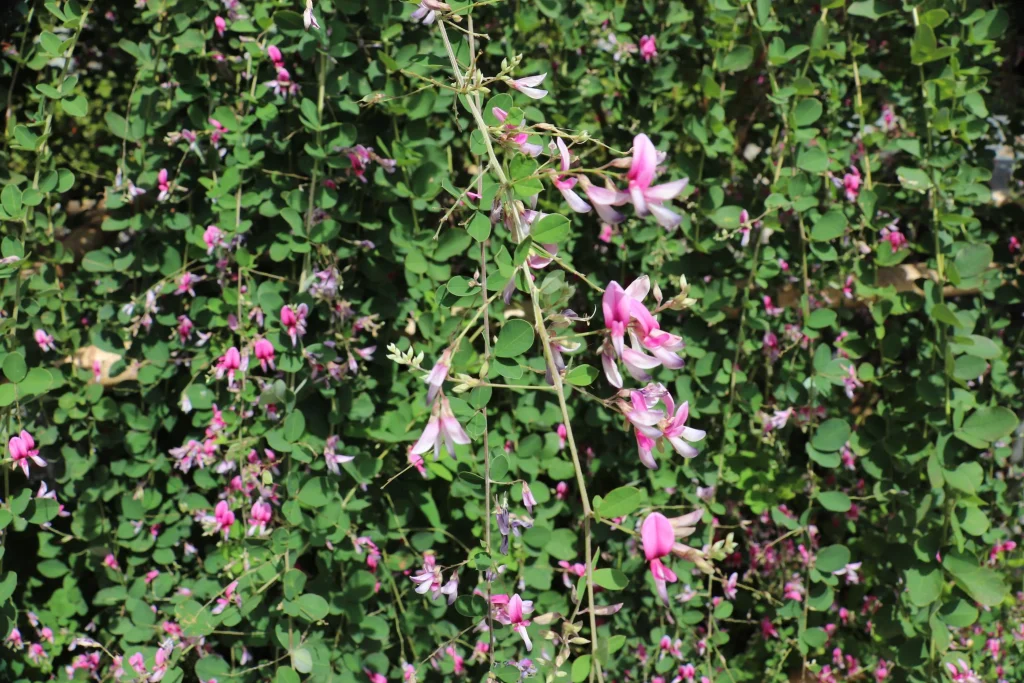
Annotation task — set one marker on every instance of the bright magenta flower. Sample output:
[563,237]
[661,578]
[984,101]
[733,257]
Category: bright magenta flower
[658,537]
[229,363]
[648,48]
[516,620]
[220,25]
[224,518]
[22,448]
[264,352]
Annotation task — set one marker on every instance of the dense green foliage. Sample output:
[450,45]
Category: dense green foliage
[211,390]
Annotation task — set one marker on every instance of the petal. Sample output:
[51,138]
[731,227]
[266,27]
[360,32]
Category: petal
[574,201]
[666,218]
[611,370]
[682,448]
[636,195]
[666,191]
[428,438]
[639,288]
[564,153]
[656,536]
[645,161]
[693,435]
[602,195]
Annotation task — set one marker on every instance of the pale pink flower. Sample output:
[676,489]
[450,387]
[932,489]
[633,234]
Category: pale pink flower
[22,448]
[528,86]
[648,48]
[213,237]
[229,597]
[565,184]
[14,639]
[334,460]
[770,308]
[44,340]
[186,283]
[308,18]
[437,375]
[137,662]
[730,586]
[442,428]
[516,620]
[647,199]
[163,184]
[36,652]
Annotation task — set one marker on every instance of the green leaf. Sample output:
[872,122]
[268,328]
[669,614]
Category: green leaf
[313,607]
[821,318]
[924,585]
[832,558]
[10,199]
[14,367]
[620,502]
[582,375]
[812,160]
[508,674]
[610,579]
[480,227]
[829,226]
[835,501]
[76,106]
[913,179]
[302,661]
[739,59]
[580,669]
[831,435]
[294,426]
[985,424]
[316,492]
[515,339]
[973,259]
[871,9]
[727,217]
[551,229]
[807,112]
[984,585]
[815,637]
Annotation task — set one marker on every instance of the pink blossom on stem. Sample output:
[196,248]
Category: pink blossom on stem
[213,237]
[259,517]
[220,25]
[561,490]
[647,199]
[528,86]
[334,460]
[111,562]
[22,448]
[442,428]
[648,48]
[657,537]
[229,363]
[562,435]
[186,283]
[264,352]
[229,597]
[437,375]
[274,53]
[163,184]
[223,517]
[44,340]
[730,587]
[516,620]
[769,307]
[294,321]
[565,184]
[896,239]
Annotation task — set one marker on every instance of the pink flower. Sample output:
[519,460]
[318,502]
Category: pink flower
[46,633]
[565,184]
[223,517]
[851,184]
[264,352]
[111,561]
[416,461]
[213,237]
[770,346]
[137,662]
[647,199]
[334,459]
[528,500]
[150,575]
[22,448]
[220,25]
[229,363]
[275,56]
[375,677]
[651,424]
[648,48]
[259,517]
[730,587]
[442,427]
[14,638]
[528,86]
[1014,245]
[561,490]
[768,629]
[283,86]
[657,536]
[896,239]
[163,185]
[294,321]
[228,598]
[186,283]
[562,435]
[437,375]
[516,620]
[36,652]
[185,327]
[769,307]
[44,340]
